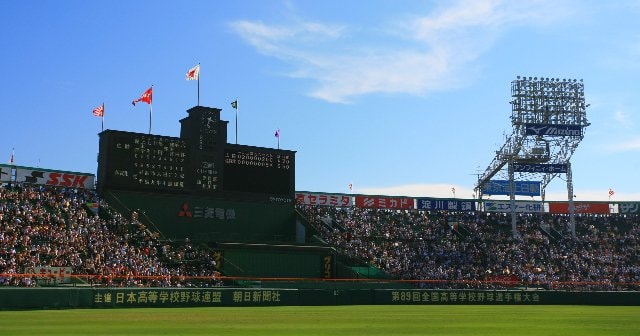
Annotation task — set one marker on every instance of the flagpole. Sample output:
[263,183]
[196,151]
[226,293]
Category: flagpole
[102,122]
[150,109]
[236,120]
[198,84]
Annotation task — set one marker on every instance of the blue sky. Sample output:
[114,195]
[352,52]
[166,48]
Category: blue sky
[397,97]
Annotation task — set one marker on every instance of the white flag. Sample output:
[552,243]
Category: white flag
[194,73]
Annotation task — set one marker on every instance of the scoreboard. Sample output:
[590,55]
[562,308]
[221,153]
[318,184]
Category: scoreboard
[199,162]
[141,161]
[254,171]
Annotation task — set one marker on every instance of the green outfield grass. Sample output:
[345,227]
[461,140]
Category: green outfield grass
[329,320]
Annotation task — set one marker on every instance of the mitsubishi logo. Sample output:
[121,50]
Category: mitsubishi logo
[185,211]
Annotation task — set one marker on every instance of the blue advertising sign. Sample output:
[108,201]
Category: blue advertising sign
[629,207]
[553,130]
[501,187]
[505,206]
[540,168]
[445,204]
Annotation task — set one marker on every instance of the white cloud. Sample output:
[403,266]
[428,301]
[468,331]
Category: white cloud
[630,145]
[283,41]
[587,195]
[419,190]
[430,53]
[627,52]
[622,118]
[624,146]
[352,76]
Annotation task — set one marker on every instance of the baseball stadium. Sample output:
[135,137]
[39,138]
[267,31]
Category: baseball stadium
[196,235]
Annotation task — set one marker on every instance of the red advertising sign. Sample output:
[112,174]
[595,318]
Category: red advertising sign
[323,199]
[384,202]
[68,180]
[579,207]
[54,178]
[53,274]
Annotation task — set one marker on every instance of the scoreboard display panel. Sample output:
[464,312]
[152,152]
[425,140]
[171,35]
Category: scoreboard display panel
[199,162]
[141,161]
[260,171]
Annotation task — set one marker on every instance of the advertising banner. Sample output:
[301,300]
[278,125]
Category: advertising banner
[5,173]
[501,187]
[54,178]
[384,202]
[53,275]
[445,204]
[629,207]
[324,199]
[540,168]
[520,206]
[553,130]
[579,207]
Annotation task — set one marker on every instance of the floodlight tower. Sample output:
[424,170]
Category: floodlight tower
[548,117]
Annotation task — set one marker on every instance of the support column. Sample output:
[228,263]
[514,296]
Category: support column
[572,216]
[512,199]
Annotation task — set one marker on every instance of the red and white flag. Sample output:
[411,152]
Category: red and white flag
[194,73]
[99,111]
[611,192]
[145,98]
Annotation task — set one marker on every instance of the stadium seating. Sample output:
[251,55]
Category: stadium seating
[477,250]
[53,227]
[43,227]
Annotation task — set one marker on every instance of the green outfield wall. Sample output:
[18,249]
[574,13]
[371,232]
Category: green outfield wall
[274,261]
[64,298]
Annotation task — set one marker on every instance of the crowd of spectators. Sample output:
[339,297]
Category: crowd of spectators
[50,227]
[476,249]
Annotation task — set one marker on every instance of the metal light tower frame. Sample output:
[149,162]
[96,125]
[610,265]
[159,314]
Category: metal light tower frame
[548,118]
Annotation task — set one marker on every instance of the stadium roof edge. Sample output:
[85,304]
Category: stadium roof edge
[44,169]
